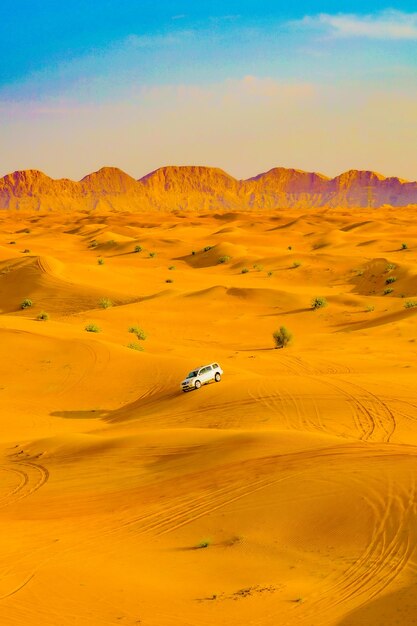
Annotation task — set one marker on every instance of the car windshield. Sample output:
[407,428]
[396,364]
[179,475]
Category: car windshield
[192,374]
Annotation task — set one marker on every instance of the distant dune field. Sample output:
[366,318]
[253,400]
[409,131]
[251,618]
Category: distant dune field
[285,494]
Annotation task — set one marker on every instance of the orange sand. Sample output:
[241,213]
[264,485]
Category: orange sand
[297,471]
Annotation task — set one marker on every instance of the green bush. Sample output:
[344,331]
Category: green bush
[26,303]
[296,264]
[269,274]
[100,261]
[171,267]
[105,303]
[370,308]
[244,270]
[410,304]
[152,254]
[135,346]
[92,328]
[207,248]
[388,290]
[390,279]
[93,243]
[318,302]
[390,266]
[135,330]
[282,337]
[258,267]
[42,317]
[224,259]
[404,246]
[138,249]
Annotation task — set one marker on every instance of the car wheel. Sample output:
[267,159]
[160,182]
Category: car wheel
[197,384]
[217,377]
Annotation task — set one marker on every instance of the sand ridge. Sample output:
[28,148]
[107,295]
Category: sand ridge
[285,494]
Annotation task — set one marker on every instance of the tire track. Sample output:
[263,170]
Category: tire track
[374,419]
[23,482]
[392,544]
[30,481]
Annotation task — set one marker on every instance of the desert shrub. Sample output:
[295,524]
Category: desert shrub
[390,266]
[203,544]
[100,261]
[282,337]
[244,270]
[390,279]
[404,246]
[193,252]
[257,267]
[269,274]
[289,247]
[26,251]
[93,243]
[27,231]
[135,346]
[138,249]
[92,328]
[152,255]
[12,243]
[410,304]
[296,264]
[105,303]
[135,330]
[318,302]
[370,308]
[26,303]
[224,259]
[207,248]
[172,267]
[169,280]
[359,273]
[388,290]
[42,317]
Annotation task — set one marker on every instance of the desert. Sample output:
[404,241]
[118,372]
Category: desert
[284,494]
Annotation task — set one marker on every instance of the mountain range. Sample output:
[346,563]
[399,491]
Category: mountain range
[203,188]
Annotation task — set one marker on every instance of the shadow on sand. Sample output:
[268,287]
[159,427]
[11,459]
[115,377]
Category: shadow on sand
[132,410]
[398,608]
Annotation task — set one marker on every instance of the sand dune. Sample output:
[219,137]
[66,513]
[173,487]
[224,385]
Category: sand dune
[286,493]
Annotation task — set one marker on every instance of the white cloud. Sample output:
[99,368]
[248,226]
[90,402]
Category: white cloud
[387,24]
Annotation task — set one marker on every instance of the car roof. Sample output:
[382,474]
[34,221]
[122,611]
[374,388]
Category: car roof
[200,366]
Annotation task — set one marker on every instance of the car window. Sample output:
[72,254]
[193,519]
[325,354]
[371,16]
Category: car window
[215,365]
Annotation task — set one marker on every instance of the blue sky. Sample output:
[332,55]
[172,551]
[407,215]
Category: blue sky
[242,85]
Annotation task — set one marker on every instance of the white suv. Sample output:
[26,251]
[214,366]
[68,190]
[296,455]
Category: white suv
[201,376]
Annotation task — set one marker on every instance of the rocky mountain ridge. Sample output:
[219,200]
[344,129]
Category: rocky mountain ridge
[203,188]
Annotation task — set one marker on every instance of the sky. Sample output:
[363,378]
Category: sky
[241,85]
